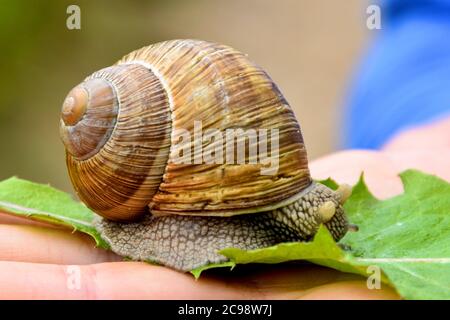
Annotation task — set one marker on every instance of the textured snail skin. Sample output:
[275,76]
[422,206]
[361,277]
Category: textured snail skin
[187,242]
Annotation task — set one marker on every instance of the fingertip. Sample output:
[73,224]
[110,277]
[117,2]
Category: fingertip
[380,173]
[350,290]
[29,243]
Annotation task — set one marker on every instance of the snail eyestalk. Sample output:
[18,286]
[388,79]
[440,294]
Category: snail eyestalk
[344,192]
[327,211]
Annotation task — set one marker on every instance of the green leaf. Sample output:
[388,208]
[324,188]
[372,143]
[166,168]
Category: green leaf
[323,250]
[44,203]
[407,237]
[197,271]
[330,183]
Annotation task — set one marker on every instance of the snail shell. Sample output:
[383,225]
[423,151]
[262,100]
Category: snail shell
[120,124]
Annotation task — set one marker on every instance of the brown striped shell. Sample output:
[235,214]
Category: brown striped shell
[121,125]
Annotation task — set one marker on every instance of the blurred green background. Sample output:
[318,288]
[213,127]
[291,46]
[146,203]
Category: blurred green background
[307,46]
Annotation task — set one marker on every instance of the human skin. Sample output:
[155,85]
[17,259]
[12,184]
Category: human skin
[35,258]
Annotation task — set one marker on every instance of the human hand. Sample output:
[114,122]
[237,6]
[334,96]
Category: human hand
[37,263]
[34,257]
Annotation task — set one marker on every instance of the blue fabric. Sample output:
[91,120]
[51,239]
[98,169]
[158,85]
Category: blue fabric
[404,79]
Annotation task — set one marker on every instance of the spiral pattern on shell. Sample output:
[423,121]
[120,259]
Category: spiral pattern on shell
[119,128]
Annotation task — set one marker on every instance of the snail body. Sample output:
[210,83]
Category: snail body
[135,158]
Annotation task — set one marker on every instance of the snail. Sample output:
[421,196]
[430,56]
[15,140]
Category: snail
[134,157]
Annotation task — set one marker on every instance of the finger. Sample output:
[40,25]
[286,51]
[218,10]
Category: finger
[426,148]
[432,161]
[120,280]
[434,135]
[298,281]
[8,218]
[350,290]
[43,245]
[132,280]
[380,172]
